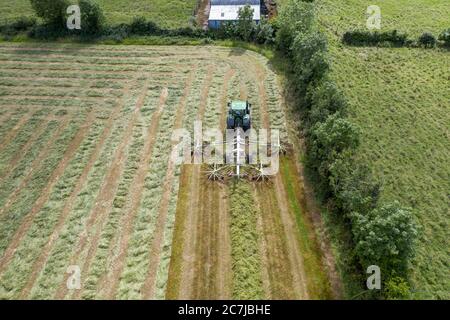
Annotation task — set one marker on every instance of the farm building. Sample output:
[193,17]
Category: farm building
[227,10]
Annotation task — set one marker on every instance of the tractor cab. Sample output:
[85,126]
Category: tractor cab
[239,115]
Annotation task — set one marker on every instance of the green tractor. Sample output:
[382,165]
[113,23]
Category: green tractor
[239,115]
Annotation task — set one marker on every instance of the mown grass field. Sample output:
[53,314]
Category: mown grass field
[400,98]
[166,13]
[85,179]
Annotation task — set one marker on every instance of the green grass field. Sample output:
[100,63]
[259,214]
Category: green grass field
[400,98]
[167,13]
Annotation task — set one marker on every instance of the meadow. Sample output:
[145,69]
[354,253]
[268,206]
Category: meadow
[400,99]
[166,13]
[86,181]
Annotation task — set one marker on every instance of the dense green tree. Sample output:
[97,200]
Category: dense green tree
[385,237]
[245,25]
[296,16]
[51,11]
[91,17]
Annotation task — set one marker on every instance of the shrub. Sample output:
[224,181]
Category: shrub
[51,11]
[427,40]
[245,26]
[295,17]
[396,288]
[23,23]
[141,26]
[445,37]
[385,236]
[328,140]
[310,59]
[352,185]
[367,38]
[117,32]
[264,33]
[325,99]
[92,18]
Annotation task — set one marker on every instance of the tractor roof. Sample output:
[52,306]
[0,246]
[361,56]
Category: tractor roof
[238,105]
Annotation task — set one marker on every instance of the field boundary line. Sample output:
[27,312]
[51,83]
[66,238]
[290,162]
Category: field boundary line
[137,186]
[68,206]
[148,288]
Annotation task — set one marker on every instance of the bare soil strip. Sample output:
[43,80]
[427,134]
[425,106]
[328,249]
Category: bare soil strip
[34,166]
[293,249]
[45,194]
[21,153]
[111,284]
[278,269]
[105,198]
[148,288]
[11,134]
[68,206]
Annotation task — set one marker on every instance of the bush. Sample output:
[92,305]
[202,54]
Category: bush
[295,17]
[325,99]
[20,25]
[396,288]
[310,62]
[352,185]
[385,237]
[264,33]
[445,37]
[367,38]
[427,40]
[51,11]
[245,26]
[117,32]
[141,26]
[92,18]
[328,140]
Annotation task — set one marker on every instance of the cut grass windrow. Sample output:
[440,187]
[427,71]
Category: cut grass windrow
[10,130]
[94,143]
[10,194]
[138,255]
[110,283]
[33,196]
[104,200]
[21,271]
[57,258]
[246,263]
[158,270]
[45,127]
